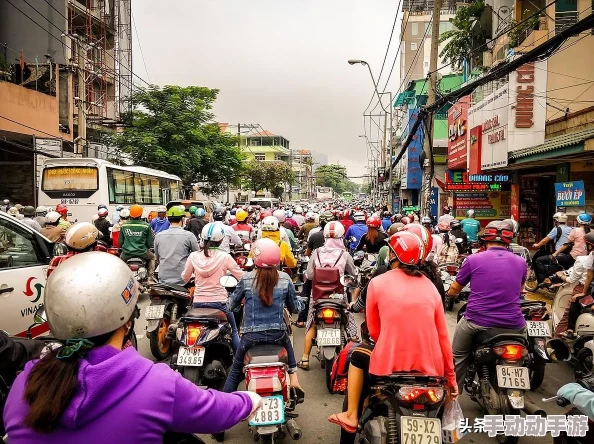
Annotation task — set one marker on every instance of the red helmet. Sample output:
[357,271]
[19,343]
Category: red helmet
[423,234]
[499,231]
[264,214]
[405,220]
[408,247]
[374,222]
[346,214]
[443,227]
[62,209]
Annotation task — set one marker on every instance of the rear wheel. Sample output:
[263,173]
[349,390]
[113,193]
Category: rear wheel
[537,372]
[531,284]
[328,364]
[160,343]
[267,439]
[192,374]
[585,362]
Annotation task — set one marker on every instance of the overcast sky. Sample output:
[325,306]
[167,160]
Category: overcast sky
[279,63]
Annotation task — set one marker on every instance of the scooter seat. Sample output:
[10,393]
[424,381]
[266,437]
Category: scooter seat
[207,314]
[266,354]
[175,287]
[329,302]
[494,335]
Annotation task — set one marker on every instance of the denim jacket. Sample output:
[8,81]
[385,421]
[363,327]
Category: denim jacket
[256,315]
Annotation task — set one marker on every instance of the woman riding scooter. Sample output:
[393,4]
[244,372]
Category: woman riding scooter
[89,389]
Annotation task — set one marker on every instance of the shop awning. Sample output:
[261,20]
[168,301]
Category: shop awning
[570,143]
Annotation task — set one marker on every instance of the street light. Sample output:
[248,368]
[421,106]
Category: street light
[364,63]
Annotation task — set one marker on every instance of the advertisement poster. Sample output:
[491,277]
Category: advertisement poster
[474,156]
[515,202]
[433,201]
[570,194]
[486,205]
[414,174]
[457,134]
[395,203]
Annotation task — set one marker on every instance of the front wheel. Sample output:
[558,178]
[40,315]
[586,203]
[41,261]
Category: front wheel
[585,363]
[328,364]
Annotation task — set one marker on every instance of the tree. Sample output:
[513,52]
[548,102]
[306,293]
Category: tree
[172,129]
[271,176]
[334,176]
[461,40]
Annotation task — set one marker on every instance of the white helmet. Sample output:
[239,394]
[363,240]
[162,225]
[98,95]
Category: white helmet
[470,213]
[298,209]
[14,211]
[310,216]
[213,232]
[560,217]
[334,230]
[359,216]
[41,210]
[280,215]
[81,235]
[52,217]
[89,295]
[270,223]
[125,213]
[161,209]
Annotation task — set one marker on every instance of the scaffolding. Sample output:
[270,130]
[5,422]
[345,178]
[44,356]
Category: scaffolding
[123,57]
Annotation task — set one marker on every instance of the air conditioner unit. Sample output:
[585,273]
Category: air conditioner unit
[487,59]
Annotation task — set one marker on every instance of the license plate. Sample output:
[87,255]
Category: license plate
[191,356]
[513,377]
[328,337]
[539,329]
[154,312]
[420,430]
[272,412]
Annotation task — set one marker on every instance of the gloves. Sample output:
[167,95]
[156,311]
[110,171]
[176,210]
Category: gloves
[256,402]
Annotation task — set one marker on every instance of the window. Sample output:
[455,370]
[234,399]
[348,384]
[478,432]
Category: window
[426,64]
[121,186]
[277,156]
[445,26]
[566,14]
[414,29]
[413,46]
[254,142]
[18,248]
[260,157]
[126,187]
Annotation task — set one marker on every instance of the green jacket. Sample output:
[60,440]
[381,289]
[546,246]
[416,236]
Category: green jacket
[136,237]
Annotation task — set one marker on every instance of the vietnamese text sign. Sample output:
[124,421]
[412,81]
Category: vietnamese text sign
[487,205]
[474,152]
[570,194]
[457,137]
[413,177]
[433,201]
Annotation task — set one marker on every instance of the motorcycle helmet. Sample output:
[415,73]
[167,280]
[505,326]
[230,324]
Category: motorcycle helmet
[241,215]
[62,210]
[233,212]
[584,219]
[589,238]
[266,253]
[405,220]
[560,217]
[443,227]
[265,214]
[470,213]
[29,211]
[125,214]
[76,309]
[289,214]
[326,216]
[423,234]
[135,211]
[213,232]
[498,231]
[515,224]
[119,208]
[270,223]
[374,222]
[446,209]
[407,247]
[310,217]
[192,209]
[81,236]
[52,217]
[175,212]
[455,224]
[200,212]
[280,215]
[298,209]
[41,210]
[334,230]
[14,211]
[162,209]
[426,220]
[346,214]
[102,212]
[395,228]
[5,201]
[397,217]
[219,215]
[359,216]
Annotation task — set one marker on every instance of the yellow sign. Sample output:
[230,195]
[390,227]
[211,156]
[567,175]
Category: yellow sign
[70,178]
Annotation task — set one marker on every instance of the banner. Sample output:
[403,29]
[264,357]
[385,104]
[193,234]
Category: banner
[487,205]
[457,137]
[433,202]
[414,173]
[570,194]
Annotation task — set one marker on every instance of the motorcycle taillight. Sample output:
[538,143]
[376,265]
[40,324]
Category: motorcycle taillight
[536,314]
[452,269]
[134,267]
[192,334]
[328,315]
[266,381]
[113,251]
[511,352]
[241,260]
[420,395]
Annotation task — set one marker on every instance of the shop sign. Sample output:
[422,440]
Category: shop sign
[457,134]
[474,155]
[515,201]
[413,177]
[433,201]
[458,181]
[570,194]
[411,208]
[486,205]
[395,203]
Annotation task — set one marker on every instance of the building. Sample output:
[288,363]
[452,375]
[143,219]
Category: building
[302,164]
[65,75]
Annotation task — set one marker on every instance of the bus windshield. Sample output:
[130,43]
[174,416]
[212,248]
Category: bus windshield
[79,181]
[262,203]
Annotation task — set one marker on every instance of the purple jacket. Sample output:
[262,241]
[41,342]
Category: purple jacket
[125,398]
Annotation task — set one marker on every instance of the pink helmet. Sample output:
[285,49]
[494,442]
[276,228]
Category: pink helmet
[266,253]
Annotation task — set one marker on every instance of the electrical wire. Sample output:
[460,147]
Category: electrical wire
[139,45]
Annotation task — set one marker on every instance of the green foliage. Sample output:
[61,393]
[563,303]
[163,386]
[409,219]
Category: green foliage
[4,65]
[172,129]
[461,40]
[334,176]
[520,30]
[271,176]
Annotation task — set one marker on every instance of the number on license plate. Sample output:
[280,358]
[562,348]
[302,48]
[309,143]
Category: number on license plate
[328,337]
[154,312]
[513,377]
[420,430]
[538,329]
[191,357]
[272,412]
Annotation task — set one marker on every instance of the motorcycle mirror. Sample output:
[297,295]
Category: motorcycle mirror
[39,317]
[228,281]
[348,281]
[558,350]
[249,262]
[247,247]
[459,240]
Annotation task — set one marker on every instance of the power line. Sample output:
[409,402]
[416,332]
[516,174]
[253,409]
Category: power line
[139,45]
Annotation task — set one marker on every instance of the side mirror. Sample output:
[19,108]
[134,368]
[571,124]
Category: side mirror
[348,281]
[228,282]
[459,240]
[39,317]
[247,247]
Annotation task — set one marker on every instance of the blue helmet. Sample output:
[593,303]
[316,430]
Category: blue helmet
[233,211]
[200,212]
[584,219]
[119,208]
[289,213]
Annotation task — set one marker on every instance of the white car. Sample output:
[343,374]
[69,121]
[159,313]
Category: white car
[24,258]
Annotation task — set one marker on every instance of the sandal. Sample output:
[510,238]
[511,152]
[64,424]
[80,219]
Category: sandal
[299,324]
[303,364]
[347,428]
[299,394]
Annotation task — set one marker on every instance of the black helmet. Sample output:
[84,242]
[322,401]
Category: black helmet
[219,214]
[455,224]
[590,240]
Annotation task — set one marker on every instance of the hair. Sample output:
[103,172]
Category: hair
[210,244]
[409,270]
[286,225]
[175,219]
[586,228]
[429,269]
[372,234]
[266,280]
[50,387]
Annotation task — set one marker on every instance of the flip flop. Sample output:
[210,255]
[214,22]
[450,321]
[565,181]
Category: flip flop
[347,428]
[303,364]
[299,394]
[299,324]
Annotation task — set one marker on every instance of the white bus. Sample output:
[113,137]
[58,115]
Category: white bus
[324,193]
[83,184]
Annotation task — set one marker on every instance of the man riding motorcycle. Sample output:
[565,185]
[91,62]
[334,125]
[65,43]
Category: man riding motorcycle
[458,233]
[196,222]
[471,226]
[543,266]
[298,216]
[160,223]
[496,278]
[231,237]
[242,224]
[29,215]
[136,240]
[345,219]
[52,229]
[307,226]
[40,213]
[63,211]
[356,231]
[103,225]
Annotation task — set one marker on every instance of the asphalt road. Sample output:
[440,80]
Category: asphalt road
[319,404]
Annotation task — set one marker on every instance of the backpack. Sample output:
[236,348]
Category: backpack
[326,280]
[340,369]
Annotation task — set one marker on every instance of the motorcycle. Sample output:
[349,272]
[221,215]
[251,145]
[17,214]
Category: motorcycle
[138,267]
[203,351]
[240,254]
[405,408]
[448,273]
[168,302]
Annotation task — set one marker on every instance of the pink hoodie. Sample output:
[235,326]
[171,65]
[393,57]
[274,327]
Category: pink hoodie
[207,272]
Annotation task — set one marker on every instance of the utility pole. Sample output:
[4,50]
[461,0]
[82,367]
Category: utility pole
[82,95]
[389,162]
[427,172]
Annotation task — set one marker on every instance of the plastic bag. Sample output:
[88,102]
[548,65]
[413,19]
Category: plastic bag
[452,415]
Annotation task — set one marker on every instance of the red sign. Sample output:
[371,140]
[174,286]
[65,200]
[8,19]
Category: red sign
[515,201]
[474,161]
[457,134]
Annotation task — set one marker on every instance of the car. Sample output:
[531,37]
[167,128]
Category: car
[24,258]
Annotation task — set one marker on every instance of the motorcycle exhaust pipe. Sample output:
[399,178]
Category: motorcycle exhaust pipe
[294,430]
[558,350]
[533,409]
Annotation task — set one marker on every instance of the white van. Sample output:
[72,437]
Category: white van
[265,202]
[24,258]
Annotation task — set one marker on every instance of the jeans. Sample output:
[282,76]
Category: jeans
[305,293]
[544,267]
[230,317]
[248,340]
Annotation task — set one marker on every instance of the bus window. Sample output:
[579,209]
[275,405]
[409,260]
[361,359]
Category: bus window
[80,181]
[121,186]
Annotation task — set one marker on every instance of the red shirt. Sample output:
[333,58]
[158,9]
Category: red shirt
[406,319]
[240,226]
[346,223]
[57,260]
